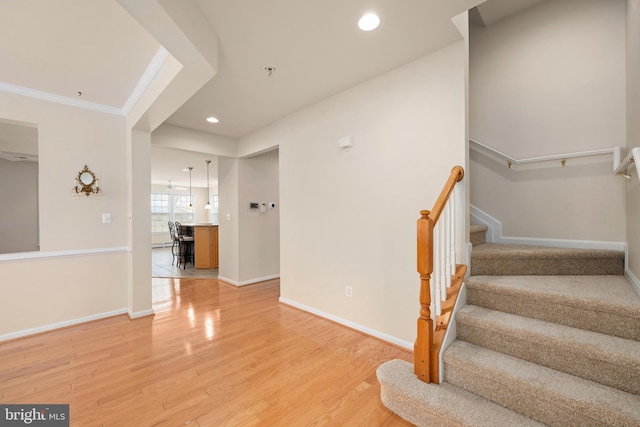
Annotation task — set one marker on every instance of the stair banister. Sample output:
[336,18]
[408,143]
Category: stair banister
[426,354]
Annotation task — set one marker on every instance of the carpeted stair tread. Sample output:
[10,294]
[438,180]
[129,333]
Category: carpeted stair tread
[549,396]
[605,304]
[505,259]
[443,405]
[477,234]
[608,360]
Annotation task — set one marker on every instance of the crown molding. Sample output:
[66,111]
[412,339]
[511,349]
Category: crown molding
[147,77]
[59,99]
[156,64]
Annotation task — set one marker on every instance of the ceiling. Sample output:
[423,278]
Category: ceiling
[494,11]
[90,51]
[168,165]
[94,53]
[317,49]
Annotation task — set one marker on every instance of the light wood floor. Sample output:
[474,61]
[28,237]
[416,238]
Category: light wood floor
[213,355]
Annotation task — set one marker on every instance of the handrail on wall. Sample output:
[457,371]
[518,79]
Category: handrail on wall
[511,161]
[633,157]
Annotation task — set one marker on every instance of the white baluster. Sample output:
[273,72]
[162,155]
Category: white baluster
[434,277]
[443,259]
[452,255]
[447,232]
[437,255]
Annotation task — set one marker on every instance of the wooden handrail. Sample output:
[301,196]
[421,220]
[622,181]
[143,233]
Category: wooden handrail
[426,347]
[456,175]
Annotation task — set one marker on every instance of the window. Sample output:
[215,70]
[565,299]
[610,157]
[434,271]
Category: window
[181,211]
[167,207]
[160,213]
[213,213]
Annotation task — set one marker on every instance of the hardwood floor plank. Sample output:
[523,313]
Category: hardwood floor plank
[213,355]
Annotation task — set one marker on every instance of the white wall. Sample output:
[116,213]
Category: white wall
[228,228]
[88,275]
[550,81]
[633,132]
[139,280]
[348,217]
[19,212]
[259,232]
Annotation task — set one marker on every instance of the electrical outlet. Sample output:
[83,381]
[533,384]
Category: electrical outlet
[348,291]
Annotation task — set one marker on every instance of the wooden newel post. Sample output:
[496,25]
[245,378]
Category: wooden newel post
[424,340]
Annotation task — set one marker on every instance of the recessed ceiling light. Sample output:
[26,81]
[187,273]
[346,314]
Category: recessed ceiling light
[369,22]
[212,119]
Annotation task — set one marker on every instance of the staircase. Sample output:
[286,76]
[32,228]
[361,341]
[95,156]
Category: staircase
[549,336]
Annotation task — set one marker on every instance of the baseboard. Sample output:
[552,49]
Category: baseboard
[494,227]
[248,282]
[229,281]
[494,235]
[53,326]
[348,323]
[140,314]
[635,283]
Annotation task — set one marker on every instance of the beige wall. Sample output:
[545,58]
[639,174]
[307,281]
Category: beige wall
[551,81]
[139,281]
[347,217]
[88,276]
[633,132]
[259,232]
[19,212]
[228,229]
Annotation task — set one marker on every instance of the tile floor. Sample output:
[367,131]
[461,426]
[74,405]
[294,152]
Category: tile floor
[161,266]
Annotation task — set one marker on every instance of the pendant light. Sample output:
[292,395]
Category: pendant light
[190,204]
[208,205]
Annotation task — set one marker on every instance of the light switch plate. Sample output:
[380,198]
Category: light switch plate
[106,218]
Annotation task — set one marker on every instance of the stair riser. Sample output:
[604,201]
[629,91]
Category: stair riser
[552,353]
[546,266]
[525,398]
[440,405]
[478,237]
[549,310]
[413,411]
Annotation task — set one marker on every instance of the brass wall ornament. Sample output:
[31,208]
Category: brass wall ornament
[87,183]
